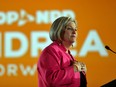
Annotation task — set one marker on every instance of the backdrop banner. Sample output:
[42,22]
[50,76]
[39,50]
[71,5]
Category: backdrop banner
[24,33]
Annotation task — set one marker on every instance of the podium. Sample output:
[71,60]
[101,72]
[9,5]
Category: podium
[110,84]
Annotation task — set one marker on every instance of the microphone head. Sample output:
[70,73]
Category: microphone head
[107,47]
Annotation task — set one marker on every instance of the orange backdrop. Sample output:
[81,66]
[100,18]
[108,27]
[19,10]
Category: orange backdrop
[23,23]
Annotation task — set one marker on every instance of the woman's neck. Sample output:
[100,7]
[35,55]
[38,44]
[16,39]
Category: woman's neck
[67,45]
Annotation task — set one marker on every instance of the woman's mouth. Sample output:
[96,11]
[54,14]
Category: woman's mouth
[73,35]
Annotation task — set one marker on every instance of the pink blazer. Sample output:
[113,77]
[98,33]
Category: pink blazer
[55,69]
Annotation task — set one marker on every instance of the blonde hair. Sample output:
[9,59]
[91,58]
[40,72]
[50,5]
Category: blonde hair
[58,27]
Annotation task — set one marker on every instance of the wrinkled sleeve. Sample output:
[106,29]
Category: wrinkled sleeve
[52,71]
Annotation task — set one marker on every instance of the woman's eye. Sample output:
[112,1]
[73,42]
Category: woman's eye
[71,29]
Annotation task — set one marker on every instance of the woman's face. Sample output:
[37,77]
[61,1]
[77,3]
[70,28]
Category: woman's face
[70,33]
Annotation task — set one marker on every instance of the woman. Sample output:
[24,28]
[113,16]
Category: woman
[56,66]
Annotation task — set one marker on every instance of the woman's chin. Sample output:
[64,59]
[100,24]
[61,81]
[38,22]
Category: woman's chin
[73,40]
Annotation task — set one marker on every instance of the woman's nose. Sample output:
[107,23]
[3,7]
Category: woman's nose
[74,31]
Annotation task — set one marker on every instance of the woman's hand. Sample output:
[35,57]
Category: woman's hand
[79,66]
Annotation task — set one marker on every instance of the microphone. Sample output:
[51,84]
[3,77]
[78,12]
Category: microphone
[108,48]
